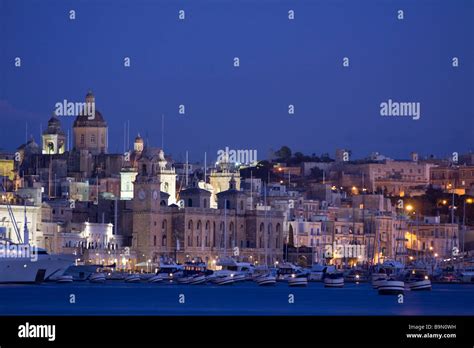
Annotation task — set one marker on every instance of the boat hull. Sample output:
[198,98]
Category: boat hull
[297,282]
[266,281]
[420,285]
[25,270]
[97,278]
[224,281]
[334,283]
[392,287]
[134,278]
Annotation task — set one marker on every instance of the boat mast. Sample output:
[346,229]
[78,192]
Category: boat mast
[225,227]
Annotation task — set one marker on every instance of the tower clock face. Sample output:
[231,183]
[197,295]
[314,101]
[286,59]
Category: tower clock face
[141,194]
[155,195]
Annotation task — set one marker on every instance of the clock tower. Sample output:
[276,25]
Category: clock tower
[146,211]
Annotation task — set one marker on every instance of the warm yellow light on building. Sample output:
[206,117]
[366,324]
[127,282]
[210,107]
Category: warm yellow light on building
[469,200]
[409,207]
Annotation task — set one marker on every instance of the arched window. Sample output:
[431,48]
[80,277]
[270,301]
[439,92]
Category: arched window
[204,203]
[214,234]
[241,205]
[190,225]
[190,202]
[154,240]
[164,240]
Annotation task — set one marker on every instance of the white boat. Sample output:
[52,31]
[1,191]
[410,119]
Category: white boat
[98,277]
[37,267]
[391,287]
[317,272]
[260,271]
[379,281]
[156,279]
[240,271]
[65,278]
[116,275]
[132,278]
[80,272]
[297,281]
[146,276]
[417,279]
[23,263]
[198,279]
[334,280]
[285,271]
[266,280]
[170,271]
[379,276]
[415,285]
[224,280]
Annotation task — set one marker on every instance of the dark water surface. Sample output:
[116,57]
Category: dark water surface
[119,298]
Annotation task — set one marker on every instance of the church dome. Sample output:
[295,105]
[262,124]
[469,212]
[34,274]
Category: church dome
[85,120]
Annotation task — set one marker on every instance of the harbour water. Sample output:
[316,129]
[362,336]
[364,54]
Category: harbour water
[119,298]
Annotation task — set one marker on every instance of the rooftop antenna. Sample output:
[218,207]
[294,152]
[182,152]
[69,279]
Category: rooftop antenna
[128,135]
[186,169]
[205,166]
[124,136]
[163,132]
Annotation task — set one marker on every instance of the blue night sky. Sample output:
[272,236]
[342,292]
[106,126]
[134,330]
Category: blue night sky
[282,62]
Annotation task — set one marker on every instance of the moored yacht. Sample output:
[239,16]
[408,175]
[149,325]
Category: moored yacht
[28,264]
[391,286]
[298,280]
[318,271]
[240,271]
[65,278]
[132,278]
[286,270]
[265,279]
[169,271]
[334,280]
[417,279]
[224,279]
[98,277]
